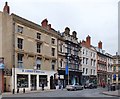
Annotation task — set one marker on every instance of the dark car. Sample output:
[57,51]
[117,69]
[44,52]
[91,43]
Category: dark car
[90,85]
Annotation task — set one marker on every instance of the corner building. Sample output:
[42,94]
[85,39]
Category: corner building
[29,51]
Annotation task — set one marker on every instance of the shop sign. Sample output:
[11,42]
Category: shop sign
[32,71]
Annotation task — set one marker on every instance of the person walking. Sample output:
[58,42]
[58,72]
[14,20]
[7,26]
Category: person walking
[42,86]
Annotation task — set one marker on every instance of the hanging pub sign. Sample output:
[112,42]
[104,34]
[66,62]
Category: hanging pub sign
[2,66]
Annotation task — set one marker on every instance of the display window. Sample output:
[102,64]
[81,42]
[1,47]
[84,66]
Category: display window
[22,81]
[42,80]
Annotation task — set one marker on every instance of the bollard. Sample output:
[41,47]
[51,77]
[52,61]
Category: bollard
[13,91]
[18,90]
[23,90]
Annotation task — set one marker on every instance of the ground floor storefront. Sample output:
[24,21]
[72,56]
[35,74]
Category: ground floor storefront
[102,78]
[89,79]
[29,79]
[73,77]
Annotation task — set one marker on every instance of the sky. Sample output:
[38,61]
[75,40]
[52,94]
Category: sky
[97,18]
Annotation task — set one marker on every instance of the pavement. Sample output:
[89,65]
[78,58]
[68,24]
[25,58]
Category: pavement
[112,93]
[35,91]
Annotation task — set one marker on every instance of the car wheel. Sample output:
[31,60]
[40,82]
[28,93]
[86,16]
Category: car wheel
[75,89]
[68,89]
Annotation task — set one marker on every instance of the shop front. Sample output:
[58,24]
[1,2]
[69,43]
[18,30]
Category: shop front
[73,77]
[30,79]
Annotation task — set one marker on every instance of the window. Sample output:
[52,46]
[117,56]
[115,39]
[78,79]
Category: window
[94,72]
[114,77]
[53,51]
[38,36]
[86,52]
[22,81]
[38,47]
[118,68]
[86,60]
[94,55]
[94,62]
[91,54]
[20,60]
[42,79]
[38,63]
[20,29]
[61,47]
[53,65]
[91,62]
[53,41]
[91,71]
[83,60]
[83,51]
[60,63]
[119,77]
[20,43]
[86,70]
[83,70]
[114,68]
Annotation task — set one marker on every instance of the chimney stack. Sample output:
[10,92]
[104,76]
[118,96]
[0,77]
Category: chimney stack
[67,31]
[88,41]
[74,34]
[6,8]
[49,26]
[44,23]
[100,45]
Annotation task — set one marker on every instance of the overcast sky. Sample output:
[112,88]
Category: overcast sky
[97,18]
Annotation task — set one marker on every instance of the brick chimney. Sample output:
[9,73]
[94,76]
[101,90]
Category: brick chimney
[6,8]
[67,31]
[100,45]
[44,23]
[88,41]
[83,43]
[49,26]
[74,34]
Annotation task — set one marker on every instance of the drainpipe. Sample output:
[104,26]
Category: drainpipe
[13,57]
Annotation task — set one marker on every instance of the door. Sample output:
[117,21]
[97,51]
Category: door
[5,85]
[33,82]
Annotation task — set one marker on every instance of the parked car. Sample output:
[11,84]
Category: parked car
[90,85]
[74,87]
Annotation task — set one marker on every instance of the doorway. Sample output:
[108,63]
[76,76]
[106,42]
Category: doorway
[33,82]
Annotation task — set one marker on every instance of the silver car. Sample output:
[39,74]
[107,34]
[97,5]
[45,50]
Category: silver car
[74,87]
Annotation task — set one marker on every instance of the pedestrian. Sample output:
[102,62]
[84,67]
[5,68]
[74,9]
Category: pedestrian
[42,86]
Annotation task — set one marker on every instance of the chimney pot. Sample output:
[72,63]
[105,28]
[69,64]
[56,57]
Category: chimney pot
[6,8]
[100,45]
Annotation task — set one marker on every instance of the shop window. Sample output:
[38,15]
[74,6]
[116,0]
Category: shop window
[22,81]
[20,43]
[42,79]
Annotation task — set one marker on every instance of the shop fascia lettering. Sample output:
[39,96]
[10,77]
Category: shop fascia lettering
[32,71]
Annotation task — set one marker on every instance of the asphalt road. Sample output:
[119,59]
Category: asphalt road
[64,93]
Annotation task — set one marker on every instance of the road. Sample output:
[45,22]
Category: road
[64,93]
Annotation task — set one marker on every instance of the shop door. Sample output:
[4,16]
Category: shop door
[33,82]
[5,85]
